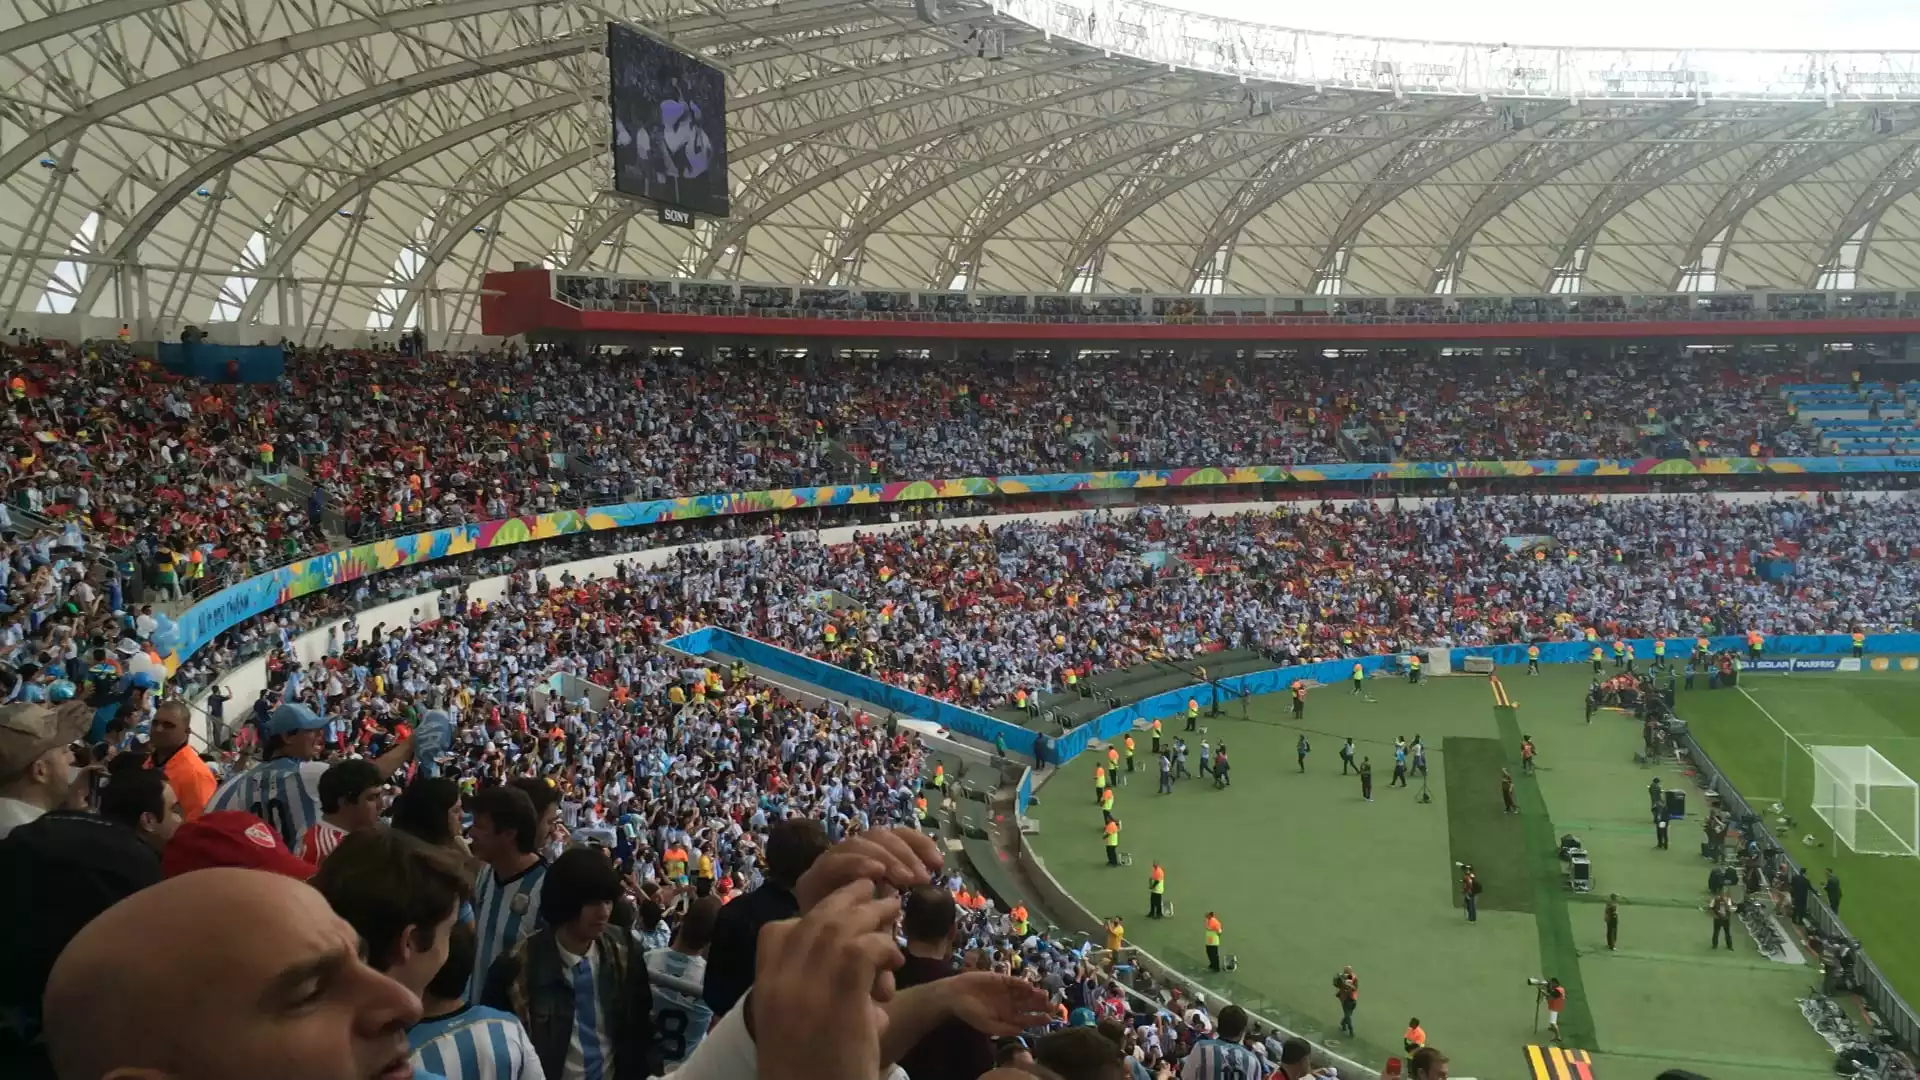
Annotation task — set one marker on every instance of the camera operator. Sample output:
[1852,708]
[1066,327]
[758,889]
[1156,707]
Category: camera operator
[1555,996]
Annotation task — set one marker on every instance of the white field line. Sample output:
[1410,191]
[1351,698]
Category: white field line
[1755,702]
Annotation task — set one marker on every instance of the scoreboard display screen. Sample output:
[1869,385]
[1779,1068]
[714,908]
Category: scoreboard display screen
[669,124]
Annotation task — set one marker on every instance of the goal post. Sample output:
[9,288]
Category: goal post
[1872,807]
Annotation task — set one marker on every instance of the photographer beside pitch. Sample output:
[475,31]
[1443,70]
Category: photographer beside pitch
[1554,996]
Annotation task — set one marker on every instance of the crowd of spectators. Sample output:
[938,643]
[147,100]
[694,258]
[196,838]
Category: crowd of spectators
[977,615]
[684,782]
[687,808]
[191,477]
[655,822]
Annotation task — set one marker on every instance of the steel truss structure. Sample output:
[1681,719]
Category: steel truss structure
[312,167]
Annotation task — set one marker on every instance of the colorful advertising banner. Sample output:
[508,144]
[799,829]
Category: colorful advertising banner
[248,598]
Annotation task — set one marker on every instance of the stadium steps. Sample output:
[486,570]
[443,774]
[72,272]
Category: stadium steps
[1112,689]
[294,488]
[843,460]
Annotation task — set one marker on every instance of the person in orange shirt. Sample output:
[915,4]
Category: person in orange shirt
[189,776]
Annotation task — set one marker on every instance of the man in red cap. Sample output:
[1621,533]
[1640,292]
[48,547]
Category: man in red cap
[230,838]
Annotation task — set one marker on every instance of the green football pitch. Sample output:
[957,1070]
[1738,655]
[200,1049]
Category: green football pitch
[1307,877]
[1742,731]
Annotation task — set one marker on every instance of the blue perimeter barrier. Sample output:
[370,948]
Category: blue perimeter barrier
[1115,723]
[1580,652]
[839,681]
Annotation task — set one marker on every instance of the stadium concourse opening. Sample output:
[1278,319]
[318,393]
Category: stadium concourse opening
[1307,877]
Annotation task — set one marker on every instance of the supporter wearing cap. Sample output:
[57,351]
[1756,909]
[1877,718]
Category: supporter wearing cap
[1296,1061]
[225,975]
[400,895]
[953,1051]
[232,838]
[182,765]
[36,759]
[284,790]
[352,794]
[119,707]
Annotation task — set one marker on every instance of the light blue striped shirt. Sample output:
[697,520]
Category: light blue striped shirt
[475,1043]
[506,913]
[680,1013]
[1211,1059]
[590,1051]
[283,792]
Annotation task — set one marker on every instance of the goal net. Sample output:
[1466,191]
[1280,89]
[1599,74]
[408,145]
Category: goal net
[1872,807]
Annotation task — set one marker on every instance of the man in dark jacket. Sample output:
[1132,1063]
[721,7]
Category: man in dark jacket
[1800,887]
[57,874]
[792,846]
[952,1051]
[578,985]
[1832,888]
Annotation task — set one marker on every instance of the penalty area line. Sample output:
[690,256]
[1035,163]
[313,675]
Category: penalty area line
[1755,702]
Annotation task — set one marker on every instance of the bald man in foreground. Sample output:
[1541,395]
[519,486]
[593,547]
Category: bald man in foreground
[224,975]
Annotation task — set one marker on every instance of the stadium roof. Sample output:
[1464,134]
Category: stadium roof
[325,164]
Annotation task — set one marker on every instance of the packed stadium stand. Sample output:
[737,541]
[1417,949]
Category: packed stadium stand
[503,552]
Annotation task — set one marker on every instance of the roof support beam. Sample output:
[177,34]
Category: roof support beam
[1633,181]
[286,247]
[159,86]
[1261,192]
[1899,179]
[966,249]
[739,227]
[905,101]
[1526,174]
[871,224]
[1330,127]
[1387,189]
[1768,177]
[126,244]
[72,21]
[617,220]
[485,209]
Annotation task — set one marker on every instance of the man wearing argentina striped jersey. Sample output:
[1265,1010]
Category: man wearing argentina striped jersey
[506,893]
[1223,1057]
[284,790]
[678,974]
[468,1042]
